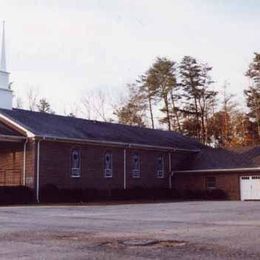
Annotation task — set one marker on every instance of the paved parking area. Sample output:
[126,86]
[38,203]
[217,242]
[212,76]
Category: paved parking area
[187,230]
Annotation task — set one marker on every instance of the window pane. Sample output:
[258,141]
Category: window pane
[108,165]
[210,182]
[160,167]
[136,166]
[75,164]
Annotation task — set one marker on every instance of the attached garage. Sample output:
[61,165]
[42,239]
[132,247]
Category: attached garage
[238,184]
[250,187]
[236,172]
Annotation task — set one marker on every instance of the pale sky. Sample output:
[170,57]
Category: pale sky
[65,48]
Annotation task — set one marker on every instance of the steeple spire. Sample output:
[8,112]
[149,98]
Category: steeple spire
[6,94]
[3,59]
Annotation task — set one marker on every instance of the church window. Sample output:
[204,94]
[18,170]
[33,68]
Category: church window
[108,163]
[75,164]
[136,165]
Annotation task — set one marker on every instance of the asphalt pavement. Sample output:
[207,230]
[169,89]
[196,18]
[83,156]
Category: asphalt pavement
[184,230]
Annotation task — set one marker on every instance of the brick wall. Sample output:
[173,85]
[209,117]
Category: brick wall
[55,167]
[228,182]
[30,170]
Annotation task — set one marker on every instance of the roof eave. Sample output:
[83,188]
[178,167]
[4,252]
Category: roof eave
[12,138]
[112,143]
[23,130]
[252,169]
[16,126]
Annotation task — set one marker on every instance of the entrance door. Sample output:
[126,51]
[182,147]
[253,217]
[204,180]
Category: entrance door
[250,187]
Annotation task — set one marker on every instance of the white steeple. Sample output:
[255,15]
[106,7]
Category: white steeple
[6,94]
[3,59]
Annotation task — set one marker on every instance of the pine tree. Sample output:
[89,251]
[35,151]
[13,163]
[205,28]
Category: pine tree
[254,66]
[132,111]
[252,93]
[160,81]
[149,91]
[200,100]
[44,106]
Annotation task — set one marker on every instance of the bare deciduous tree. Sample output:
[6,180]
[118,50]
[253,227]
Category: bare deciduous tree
[32,98]
[18,102]
[97,106]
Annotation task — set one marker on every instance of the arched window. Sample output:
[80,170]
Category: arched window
[75,164]
[160,167]
[108,165]
[136,165]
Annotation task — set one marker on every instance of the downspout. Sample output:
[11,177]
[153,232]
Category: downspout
[24,161]
[38,173]
[125,169]
[170,171]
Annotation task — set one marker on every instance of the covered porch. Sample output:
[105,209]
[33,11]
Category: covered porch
[12,157]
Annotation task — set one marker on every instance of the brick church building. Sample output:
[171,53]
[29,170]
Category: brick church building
[37,149]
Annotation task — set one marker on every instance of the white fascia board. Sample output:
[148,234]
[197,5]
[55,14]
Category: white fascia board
[114,143]
[10,138]
[16,125]
[102,142]
[220,170]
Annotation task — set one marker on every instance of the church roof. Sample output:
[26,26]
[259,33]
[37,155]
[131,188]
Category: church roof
[233,158]
[4,130]
[56,126]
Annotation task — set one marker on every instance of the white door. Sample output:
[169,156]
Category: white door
[250,187]
[255,187]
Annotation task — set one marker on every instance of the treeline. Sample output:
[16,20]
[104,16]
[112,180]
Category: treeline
[178,97]
[181,93]
[181,97]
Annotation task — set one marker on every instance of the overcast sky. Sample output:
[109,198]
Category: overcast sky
[65,48]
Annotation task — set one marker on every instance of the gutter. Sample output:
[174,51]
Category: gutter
[125,169]
[255,169]
[113,143]
[12,137]
[19,128]
[187,150]
[38,173]
[24,161]
[170,170]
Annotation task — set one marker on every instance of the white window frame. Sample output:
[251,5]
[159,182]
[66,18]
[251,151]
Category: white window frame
[160,172]
[136,171]
[75,171]
[108,172]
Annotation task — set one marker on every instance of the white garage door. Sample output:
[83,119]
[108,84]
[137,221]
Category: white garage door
[250,187]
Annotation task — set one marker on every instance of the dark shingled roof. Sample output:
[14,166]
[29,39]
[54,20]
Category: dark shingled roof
[4,130]
[209,158]
[43,124]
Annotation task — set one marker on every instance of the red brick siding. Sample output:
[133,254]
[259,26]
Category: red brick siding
[148,169]
[55,167]
[228,182]
[30,170]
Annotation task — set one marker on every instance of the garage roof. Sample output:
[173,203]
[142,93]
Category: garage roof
[236,158]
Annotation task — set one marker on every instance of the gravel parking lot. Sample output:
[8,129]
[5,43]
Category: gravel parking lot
[187,230]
